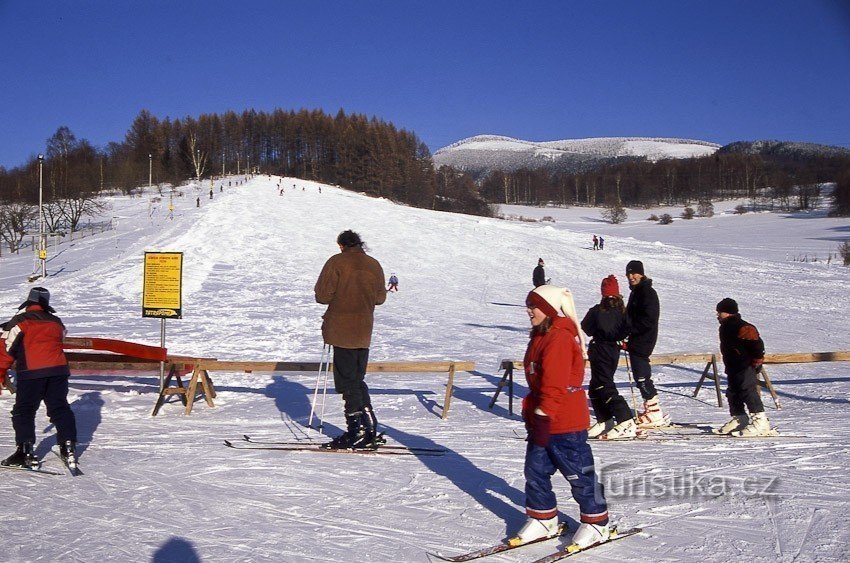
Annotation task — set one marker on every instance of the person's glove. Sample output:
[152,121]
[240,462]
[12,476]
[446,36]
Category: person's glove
[4,377]
[624,345]
[757,363]
[541,430]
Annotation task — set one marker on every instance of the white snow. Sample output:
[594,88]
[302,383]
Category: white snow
[166,489]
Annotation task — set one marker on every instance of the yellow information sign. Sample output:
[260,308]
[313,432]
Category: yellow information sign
[162,289]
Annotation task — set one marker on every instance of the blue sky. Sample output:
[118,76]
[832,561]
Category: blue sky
[719,71]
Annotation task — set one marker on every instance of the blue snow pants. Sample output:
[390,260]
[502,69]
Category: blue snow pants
[29,395]
[570,454]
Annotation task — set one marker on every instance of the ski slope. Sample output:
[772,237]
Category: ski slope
[166,489]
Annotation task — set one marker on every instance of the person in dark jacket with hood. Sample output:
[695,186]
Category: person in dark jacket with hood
[538,278]
[644,311]
[608,325]
[32,342]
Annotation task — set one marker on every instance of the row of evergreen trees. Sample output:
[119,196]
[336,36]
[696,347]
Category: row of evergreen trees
[356,152]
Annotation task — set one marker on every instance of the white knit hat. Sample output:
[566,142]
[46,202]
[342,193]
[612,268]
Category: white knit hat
[560,299]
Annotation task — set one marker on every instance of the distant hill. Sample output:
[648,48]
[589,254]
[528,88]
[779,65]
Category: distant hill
[482,153]
[784,149]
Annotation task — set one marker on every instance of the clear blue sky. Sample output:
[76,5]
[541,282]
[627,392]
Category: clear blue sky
[544,70]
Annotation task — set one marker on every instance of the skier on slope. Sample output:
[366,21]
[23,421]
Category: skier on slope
[743,353]
[556,416]
[32,341]
[643,310]
[392,285]
[608,325]
[538,277]
[351,284]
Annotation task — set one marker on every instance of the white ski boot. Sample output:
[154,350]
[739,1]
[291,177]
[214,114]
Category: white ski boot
[652,417]
[737,423]
[601,428]
[623,431]
[758,426]
[535,529]
[588,535]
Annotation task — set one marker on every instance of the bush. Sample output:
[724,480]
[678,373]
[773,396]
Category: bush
[740,209]
[705,209]
[615,215]
[665,219]
[688,213]
[844,252]
[652,217]
[548,218]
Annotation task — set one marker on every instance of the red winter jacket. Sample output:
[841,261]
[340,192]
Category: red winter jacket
[32,341]
[554,369]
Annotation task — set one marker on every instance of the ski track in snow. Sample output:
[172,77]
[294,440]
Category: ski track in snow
[166,488]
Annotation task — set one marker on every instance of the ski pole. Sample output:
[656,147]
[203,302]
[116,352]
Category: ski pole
[325,391]
[325,348]
[631,384]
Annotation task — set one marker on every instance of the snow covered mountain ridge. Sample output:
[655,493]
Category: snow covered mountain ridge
[486,152]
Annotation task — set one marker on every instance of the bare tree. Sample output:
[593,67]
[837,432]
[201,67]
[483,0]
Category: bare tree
[14,219]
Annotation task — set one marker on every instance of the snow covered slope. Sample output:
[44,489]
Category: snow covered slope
[166,489]
[487,152]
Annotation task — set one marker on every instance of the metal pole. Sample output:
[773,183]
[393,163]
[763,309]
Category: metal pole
[162,345]
[42,248]
[222,165]
[150,171]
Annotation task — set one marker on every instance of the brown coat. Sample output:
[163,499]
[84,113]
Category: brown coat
[351,285]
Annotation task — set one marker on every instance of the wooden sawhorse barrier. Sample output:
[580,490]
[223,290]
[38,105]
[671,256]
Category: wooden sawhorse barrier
[200,376]
[762,378]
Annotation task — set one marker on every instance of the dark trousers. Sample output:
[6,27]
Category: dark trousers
[604,397]
[743,390]
[350,377]
[29,395]
[570,454]
[642,373]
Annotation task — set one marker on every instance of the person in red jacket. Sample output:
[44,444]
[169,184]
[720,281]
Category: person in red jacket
[32,342]
[557,417]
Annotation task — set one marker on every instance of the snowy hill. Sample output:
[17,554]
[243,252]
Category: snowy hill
[166,489]
[489,152]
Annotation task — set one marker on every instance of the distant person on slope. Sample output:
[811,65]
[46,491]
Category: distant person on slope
[601,243]
[556,416]
[393,283]
[538,278]
[644,311]
[743,353]
[32,342]
[608,325]
[595,243]
[351,284]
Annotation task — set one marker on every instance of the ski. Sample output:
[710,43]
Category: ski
[380,450]
[497,548]
[571,550]
[382,446]
[31,470]
[73,469]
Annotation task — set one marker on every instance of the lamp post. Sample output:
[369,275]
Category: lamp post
[222,164]
[150,171]
[42,247]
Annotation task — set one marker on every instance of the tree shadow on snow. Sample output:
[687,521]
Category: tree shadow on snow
[176,550]
[88,414]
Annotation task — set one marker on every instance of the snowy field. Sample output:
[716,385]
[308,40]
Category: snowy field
[166,489]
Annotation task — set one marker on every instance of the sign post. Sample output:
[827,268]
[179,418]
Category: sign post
[162,292]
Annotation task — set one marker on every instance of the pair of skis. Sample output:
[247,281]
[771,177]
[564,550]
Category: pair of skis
[249,443]
[72,469]
[568,551]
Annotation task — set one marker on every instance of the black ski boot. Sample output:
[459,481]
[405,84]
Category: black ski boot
[68,453]
[352,437]
[370,423]
[23,457]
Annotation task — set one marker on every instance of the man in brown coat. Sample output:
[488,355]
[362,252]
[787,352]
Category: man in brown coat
[351,285]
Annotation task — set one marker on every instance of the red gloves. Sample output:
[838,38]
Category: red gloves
[4,377]
[541,430]
[757,364]
[624,345]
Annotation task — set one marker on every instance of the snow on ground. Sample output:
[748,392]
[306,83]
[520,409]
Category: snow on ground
[166,489]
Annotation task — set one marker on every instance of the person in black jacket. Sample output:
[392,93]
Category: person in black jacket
[743,353]
[608,325]
[538,278]
[643,310]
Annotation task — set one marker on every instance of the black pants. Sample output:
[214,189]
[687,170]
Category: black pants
[743,390]
[29,395]
[350,377]
[604,397]
[642,373]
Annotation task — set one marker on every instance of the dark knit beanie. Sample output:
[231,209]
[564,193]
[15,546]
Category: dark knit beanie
[728,305]
[634,267]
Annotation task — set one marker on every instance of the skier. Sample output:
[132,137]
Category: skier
[595,243]
[601,243]
[643,310]
[393,283]
[538,278]
[743,353]
[607,324]
[32,341]
[556,416]
[198,201]
[351,284]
